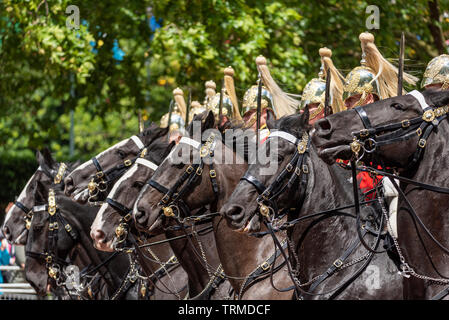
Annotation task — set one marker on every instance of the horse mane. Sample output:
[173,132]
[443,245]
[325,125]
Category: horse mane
[437,97]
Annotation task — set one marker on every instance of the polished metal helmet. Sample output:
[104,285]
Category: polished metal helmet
[176,122]
[361,80]
[250,99]
[214,104]
[195,108]
[437,72]
[314,92]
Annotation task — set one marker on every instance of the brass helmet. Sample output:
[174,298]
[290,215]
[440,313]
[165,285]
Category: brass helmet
[314,92]
[437,72]
[214,104]
[178,113]
[250,98]
[361,80]
[195,108]
[210,91]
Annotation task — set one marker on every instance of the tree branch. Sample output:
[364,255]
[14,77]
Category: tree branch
[435,28]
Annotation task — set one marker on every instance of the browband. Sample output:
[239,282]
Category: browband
[147,163]
[284,135]
[418,96]
[138,142]
[190,142]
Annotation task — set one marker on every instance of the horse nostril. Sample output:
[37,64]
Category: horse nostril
[98,235]
[323,127]
[141,216]
[6,232]
[236,214]
[68,182]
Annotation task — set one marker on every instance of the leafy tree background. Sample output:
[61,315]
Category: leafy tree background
[116,64]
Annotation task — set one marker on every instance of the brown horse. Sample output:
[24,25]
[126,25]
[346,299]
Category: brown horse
[103,170]
[241,256]
[423,238]
[318,242]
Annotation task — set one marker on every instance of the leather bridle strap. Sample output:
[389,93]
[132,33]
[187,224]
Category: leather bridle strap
[364,117]
[120,208]
[22,207]
[254,181]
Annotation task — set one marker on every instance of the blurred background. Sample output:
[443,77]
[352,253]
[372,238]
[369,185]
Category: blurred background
[79,90]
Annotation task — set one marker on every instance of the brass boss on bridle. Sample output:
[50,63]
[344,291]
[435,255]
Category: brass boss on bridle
[100,181]
[172,202]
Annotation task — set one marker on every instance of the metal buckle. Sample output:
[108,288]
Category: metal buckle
[127,162]
[364,133]
[199,171]
[173,259]
[127,217]
[165,198]
[338,263]
[289,167]
[99,174]
[143,153]
[422,143]
[204,151]
[56,226]
[68,227]
[189,169]
[302,146]
[405,123]
[213,173]
[305,168]
[297,171]
[265,266]
[48,259]
[419,132]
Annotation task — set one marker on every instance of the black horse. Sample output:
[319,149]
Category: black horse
[326,257]
[409,136]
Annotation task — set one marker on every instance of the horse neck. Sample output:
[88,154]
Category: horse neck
[81,218]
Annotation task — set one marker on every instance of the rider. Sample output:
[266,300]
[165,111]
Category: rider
[313,94]
[177,119]
[374,80]
[437,73]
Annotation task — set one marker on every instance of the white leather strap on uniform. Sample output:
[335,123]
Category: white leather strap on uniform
[190,142]
[284,135]
[138,142]
[147,163]
[418,96]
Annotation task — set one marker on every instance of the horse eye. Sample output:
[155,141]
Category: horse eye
[280,158]
[138,184]
[38,227]
[398,106]
[121,154]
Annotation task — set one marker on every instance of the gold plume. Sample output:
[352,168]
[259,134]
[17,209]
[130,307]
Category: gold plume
[336,84]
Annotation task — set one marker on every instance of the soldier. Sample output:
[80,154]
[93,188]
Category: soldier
[230,108]
[374,80]
[437,73]
[178,114]
[313,95]
[195,108]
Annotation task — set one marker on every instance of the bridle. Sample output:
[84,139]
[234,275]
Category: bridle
[124,211]
[57,179]
[368,139]
[50,255]
[295,169]
[172,203]
[101,180]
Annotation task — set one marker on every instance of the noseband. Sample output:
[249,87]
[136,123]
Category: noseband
[367,140]
[296,168]
[172,199]
[101,180]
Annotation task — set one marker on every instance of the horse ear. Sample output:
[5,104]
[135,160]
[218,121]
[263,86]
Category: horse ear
[270,120]
[49,161]
[304,118]
[209,122]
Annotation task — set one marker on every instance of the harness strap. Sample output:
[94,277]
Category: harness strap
[254,181]
[418,96]
[122,210]
[363,116]
[441,294]
[22,207]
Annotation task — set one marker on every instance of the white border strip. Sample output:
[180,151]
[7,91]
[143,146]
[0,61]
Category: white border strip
[147,163]
[284,135]
[190,142]
[418,96]
[138,142]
